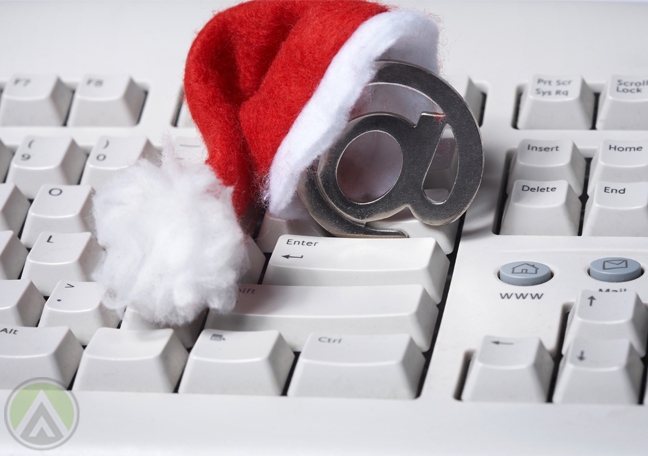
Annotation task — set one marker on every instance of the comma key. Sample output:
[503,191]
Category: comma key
[301,260]
[78,306]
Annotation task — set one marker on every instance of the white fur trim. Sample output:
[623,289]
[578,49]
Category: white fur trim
[395,35]
[173,243]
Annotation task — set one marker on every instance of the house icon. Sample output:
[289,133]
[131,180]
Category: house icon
[525,268]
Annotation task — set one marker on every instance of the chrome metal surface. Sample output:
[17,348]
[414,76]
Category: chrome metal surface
[327,203]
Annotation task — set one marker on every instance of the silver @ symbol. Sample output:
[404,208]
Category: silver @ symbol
[320,191]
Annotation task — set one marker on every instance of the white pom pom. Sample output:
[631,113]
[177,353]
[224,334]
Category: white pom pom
[173,243]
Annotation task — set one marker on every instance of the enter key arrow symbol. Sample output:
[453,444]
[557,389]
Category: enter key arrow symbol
[287,257]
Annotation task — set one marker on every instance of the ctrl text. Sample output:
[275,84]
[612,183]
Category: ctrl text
[329,340]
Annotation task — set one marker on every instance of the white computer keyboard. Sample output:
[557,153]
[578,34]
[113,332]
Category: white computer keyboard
[536,347]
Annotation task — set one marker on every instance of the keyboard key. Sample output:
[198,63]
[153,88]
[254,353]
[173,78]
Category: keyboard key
[272,228]
[226,362]
[556,102]
[187,334]
[190,149]
[509,370]
[12,255]
[548,160]
[58,208]
[103,100]
[35,99]
[114,153]
[78,306]
[624,104]
[27,353]
[334,365]
[525,273]
[405,221]
[40,160]
[615,269]
[617,209]
[471,94]
[5,160]
[599,372]
[601,315]
[184,117]
[257,262]
[547,208]
[137,361]
[301,260]
[13,208]
[20,303]
[298,311]
[620,162]
[57,256]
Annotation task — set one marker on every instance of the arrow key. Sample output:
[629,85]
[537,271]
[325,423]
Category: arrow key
[599,372]
[509,370]
[604,315]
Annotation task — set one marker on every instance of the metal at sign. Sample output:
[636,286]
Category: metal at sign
[319,189]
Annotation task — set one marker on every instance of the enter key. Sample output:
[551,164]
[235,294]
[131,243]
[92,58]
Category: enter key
[316,261]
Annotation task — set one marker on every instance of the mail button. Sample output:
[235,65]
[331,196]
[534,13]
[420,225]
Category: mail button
[615,269]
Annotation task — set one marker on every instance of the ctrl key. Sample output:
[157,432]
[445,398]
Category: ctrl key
[334,365]
[27,353]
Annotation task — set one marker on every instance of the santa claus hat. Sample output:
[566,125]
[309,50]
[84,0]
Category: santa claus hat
[270,85]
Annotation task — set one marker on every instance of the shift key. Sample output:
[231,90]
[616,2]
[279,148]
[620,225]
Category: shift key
[316,261]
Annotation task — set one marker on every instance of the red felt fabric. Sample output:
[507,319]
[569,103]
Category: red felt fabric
[252,69]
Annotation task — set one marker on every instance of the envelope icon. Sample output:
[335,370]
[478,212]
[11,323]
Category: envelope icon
[615,264]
